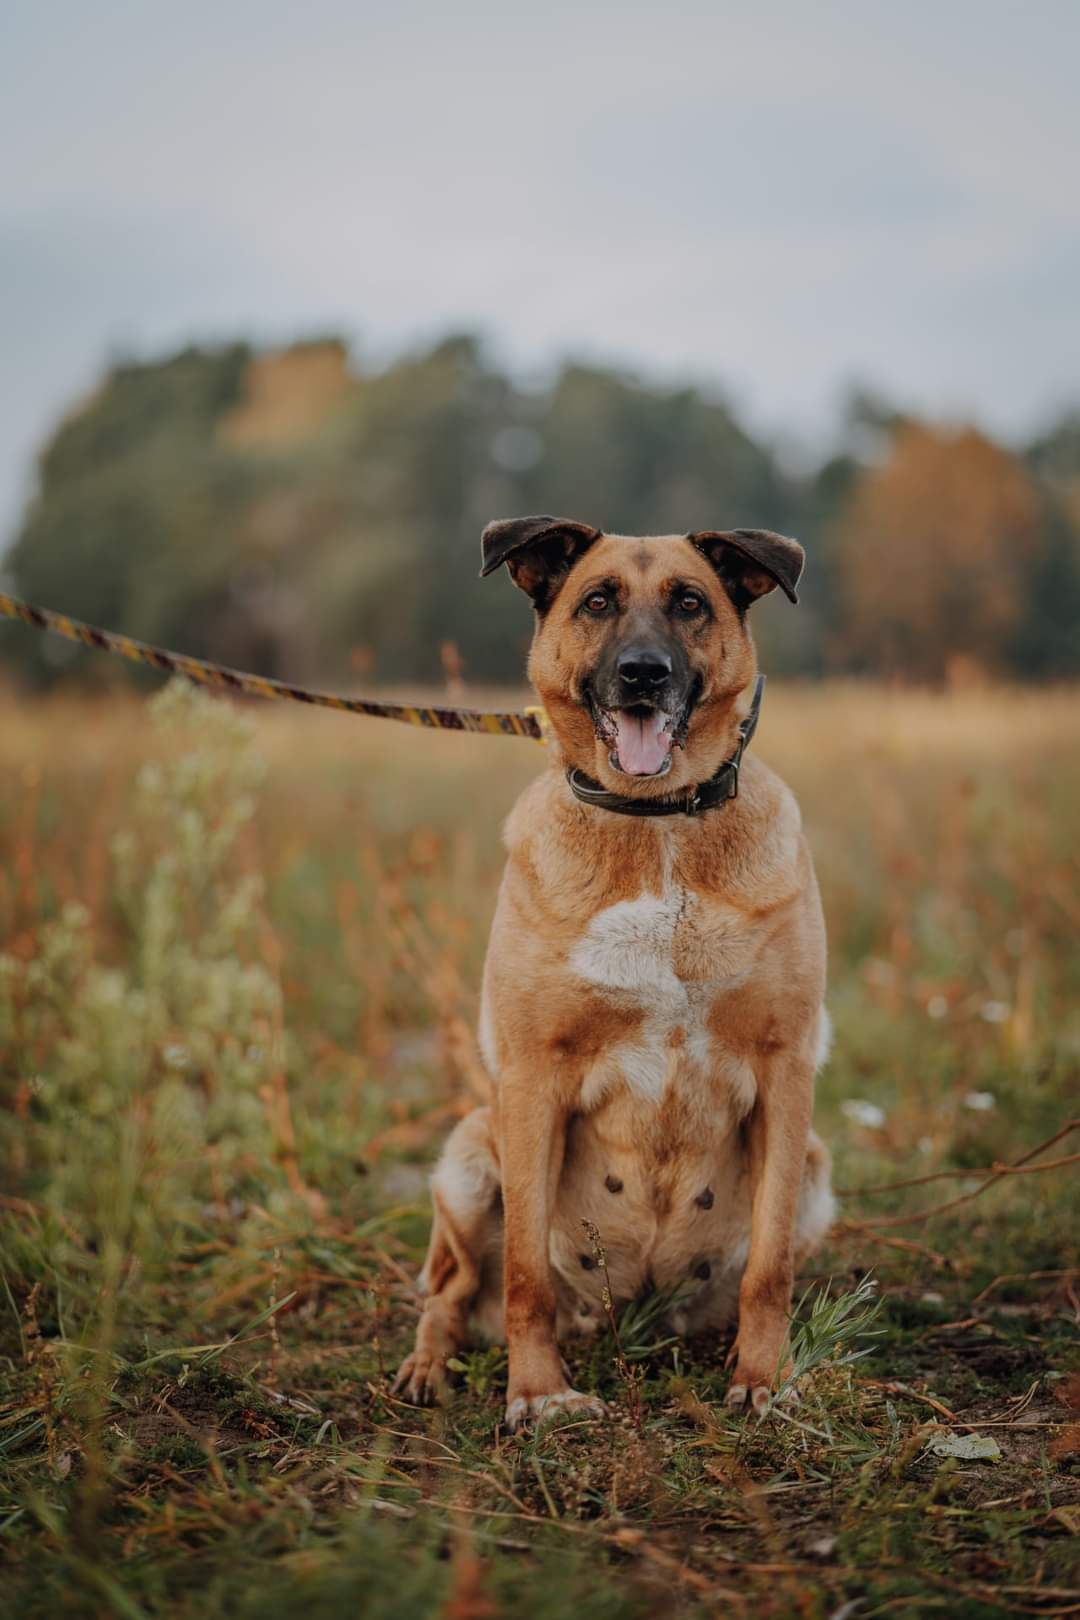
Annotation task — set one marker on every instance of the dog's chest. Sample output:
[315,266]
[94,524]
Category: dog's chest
[665,956]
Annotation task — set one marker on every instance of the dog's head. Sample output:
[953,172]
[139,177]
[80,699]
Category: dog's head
[641,645]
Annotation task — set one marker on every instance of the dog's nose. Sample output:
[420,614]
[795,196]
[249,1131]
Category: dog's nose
[643,670]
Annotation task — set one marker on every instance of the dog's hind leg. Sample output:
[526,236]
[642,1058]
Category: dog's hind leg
[465,1194]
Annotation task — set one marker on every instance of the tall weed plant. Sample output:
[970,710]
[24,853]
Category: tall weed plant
[144,1069]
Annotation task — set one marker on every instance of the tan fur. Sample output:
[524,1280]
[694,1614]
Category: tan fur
[652,1015]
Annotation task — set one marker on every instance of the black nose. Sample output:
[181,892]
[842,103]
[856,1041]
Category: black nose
[643,670]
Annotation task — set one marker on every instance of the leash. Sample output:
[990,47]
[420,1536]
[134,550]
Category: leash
[708,795]
[530,722]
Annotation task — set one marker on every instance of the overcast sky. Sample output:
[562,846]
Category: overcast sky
[775,196]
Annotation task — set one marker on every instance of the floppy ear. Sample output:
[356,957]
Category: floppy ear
[752,562]
[539,552]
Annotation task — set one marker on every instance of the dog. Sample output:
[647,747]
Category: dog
[652,1014]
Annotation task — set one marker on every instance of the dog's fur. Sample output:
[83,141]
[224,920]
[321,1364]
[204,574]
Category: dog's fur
[652,1011]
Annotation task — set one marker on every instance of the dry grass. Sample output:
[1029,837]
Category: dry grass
[230,1045]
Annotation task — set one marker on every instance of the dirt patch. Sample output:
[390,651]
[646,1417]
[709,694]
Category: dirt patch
[213,1419]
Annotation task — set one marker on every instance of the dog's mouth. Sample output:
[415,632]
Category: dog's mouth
[641,739]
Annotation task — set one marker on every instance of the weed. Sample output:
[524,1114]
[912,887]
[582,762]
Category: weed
[828,1332]
[238,960]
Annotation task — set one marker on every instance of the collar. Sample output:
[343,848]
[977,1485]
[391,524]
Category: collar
[692,801]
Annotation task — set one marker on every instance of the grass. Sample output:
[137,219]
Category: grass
[238,964]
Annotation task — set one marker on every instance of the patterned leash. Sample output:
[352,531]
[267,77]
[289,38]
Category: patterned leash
[530,722]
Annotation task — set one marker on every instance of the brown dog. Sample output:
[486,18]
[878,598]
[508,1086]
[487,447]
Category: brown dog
[652,1013]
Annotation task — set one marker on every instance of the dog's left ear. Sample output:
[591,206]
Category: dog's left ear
[752,562]
[539,552]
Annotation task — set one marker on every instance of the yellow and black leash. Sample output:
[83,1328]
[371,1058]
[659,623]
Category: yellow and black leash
[529,722]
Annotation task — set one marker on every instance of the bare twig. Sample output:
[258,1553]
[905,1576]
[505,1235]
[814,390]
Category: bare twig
[995,1169]
[891,1387]
[997,1174]
[859,1229]
[1021,1276]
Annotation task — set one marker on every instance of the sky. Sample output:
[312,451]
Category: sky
[775,199]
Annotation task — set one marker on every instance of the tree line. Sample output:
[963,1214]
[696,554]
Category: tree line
[286,512]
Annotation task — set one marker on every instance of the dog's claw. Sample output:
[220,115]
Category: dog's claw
[757,1396]
[541,1408]
[422,1378]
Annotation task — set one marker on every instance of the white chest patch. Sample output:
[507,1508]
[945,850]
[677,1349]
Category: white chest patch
[628,950]
[629,946]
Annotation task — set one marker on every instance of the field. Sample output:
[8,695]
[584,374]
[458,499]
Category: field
[239,953]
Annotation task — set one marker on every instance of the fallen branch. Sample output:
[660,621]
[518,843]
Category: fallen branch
[997,1173]
[995,1169]
[892,1387]
[860,1230]
[1021,1276]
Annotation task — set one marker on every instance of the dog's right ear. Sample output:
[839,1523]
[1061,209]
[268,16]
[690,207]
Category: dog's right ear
[538,551]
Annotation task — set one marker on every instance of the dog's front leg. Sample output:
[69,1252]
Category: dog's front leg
[532,1143]
[779,1130]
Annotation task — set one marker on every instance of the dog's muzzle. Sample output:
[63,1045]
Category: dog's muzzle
[641,708]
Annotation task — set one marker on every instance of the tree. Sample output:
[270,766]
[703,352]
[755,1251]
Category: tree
[935,553]
[289,512]
[284,511]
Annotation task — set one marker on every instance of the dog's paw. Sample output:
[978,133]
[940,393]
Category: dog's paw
[421,1378]
[522,1409]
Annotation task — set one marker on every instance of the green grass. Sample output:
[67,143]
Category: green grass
[238,966]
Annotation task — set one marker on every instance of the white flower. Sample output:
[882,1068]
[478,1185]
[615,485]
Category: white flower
[980,1102]
[863,1113]
[937,1007]
[994,1012]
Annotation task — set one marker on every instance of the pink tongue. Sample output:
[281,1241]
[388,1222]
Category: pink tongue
[641,742]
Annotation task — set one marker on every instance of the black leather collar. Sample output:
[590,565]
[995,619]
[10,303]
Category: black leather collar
[692,801]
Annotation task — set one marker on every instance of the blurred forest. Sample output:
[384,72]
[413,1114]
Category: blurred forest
[286,512]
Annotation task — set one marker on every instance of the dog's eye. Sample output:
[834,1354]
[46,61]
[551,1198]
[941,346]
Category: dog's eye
[689,602]
[597,602]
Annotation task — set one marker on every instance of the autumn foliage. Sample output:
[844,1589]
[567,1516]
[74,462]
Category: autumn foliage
[934,556]
[294,513]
